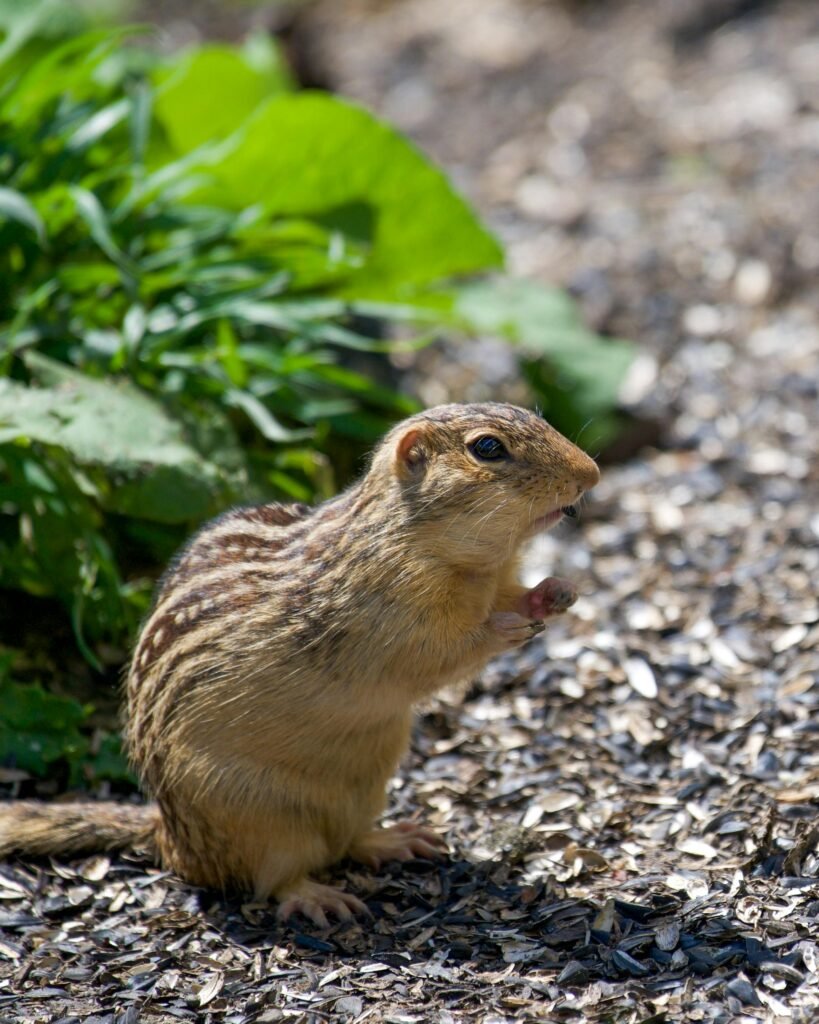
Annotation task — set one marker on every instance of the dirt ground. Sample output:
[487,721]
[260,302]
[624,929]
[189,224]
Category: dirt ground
[630,802]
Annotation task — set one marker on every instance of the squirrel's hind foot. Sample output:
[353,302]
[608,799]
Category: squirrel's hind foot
[314,901]
[404,841]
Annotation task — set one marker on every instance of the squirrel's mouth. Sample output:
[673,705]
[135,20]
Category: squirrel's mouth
[552,518]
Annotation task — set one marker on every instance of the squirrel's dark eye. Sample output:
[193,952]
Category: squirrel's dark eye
[488,448]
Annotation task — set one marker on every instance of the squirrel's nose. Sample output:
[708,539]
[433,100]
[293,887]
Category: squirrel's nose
[586,474]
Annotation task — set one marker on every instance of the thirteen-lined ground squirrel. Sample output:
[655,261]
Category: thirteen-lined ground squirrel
[271,691]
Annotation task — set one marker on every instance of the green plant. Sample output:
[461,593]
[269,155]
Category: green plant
[198,269]
[40,729]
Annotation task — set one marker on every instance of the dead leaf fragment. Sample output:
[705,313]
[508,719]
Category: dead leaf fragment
[668,936]
[693,886]
[641,677]
[95,868]
[791,637]
[352,1005]
[581,858]
[211,989]
[698,848]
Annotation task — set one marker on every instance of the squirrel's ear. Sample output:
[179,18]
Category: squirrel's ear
[410,452]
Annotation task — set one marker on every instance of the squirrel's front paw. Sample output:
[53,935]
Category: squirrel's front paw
[550,597]
[512,629]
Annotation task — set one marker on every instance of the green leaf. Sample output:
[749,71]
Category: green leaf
[312,154]
[15,206]
[37,728]
[20,22]
[265,422]
[64,70]
[212,91]
[58,549]
[143,453]
[110,762]
[577,373]
[99,125]
[227,349]
[92,212]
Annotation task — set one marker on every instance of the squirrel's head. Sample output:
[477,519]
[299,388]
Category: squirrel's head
[484,477]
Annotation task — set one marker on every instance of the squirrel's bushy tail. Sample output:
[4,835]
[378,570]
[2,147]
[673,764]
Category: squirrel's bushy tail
[34,829]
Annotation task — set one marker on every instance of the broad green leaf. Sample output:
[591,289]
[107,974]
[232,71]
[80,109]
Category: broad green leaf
[524,311]
[577,372]
[312,154]
[152,469]
[211,92]
[545,322]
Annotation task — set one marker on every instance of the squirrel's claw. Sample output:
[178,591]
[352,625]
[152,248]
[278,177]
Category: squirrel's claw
[513,629]
[312,899]
[550,597]
[401,842]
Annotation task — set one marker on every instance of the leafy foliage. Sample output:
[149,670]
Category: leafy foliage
[364,180]
[38,728]
[197,269]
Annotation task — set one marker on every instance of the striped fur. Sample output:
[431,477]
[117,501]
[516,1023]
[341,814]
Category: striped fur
[271,689]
